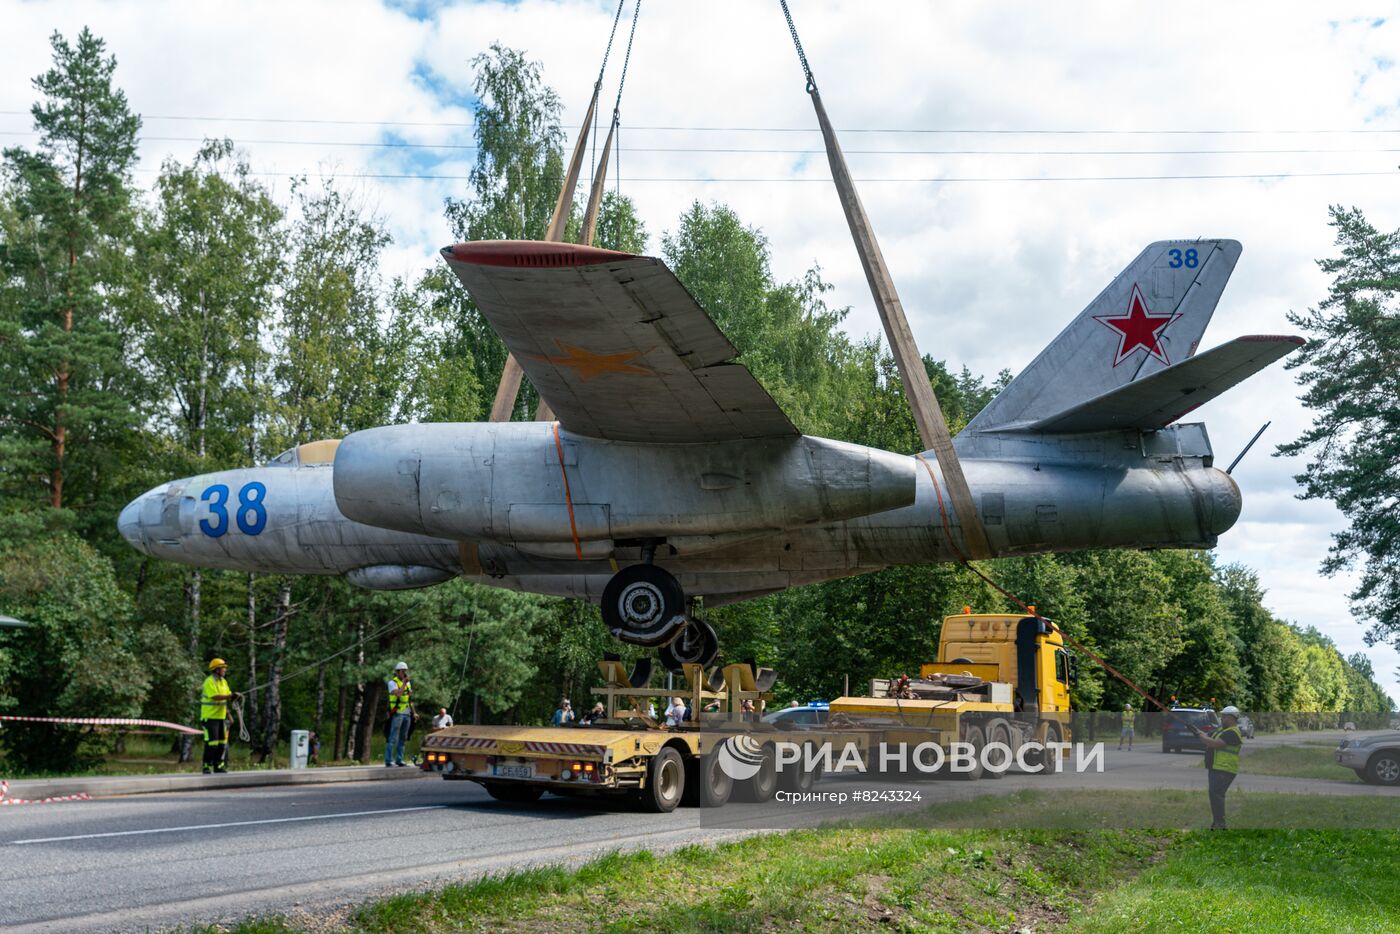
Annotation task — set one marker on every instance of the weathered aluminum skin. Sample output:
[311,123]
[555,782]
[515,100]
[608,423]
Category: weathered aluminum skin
[543,490]
[1035,493]
[1072,455]
[304,531]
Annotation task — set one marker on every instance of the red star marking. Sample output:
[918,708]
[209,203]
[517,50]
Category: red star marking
[588,364]
[1138,328]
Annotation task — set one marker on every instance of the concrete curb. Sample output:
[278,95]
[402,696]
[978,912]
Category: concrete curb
[108,785]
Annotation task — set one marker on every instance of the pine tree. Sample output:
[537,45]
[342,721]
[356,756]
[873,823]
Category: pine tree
[66,391]
[1351,382]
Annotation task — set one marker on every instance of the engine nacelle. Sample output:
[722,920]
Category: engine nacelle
[521,483]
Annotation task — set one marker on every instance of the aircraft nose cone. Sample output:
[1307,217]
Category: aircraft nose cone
[129,523]
[140,517]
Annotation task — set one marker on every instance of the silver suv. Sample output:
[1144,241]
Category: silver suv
[1374,759]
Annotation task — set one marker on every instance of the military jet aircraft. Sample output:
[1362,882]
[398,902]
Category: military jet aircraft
[671,474]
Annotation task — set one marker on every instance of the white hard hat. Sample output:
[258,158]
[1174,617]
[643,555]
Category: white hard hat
[1232,710]
[401,666]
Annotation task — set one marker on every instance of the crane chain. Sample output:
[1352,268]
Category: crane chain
[801,55]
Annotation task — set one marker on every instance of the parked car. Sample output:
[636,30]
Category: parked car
[1374,759]
[1180,724]
[807,715]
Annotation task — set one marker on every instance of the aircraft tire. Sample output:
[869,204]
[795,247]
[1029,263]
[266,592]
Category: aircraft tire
[644,605]
[697,643]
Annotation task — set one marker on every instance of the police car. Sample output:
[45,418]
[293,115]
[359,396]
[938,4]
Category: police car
[811,714]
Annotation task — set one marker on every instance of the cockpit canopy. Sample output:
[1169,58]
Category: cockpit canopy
[310,454]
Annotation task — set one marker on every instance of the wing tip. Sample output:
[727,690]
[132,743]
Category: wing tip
[1293,339]
[530,254]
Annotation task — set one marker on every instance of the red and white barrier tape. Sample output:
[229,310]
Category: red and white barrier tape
[6,799]
[108,721]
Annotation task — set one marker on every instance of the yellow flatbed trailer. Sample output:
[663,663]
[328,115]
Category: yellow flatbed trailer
[625,754]
[999,679]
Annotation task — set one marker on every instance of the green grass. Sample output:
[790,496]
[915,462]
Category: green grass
[953,879]
[1305,761]
[819,879]
[1157,809]
[1261,881]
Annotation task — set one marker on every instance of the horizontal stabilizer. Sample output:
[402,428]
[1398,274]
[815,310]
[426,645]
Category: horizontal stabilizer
[1157,400]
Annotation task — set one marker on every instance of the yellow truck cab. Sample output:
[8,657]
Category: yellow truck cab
[999,678]
[1026,652]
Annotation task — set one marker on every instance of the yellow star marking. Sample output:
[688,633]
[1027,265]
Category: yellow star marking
[588,364]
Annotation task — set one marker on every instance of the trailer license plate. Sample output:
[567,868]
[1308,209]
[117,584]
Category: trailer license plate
[514,771]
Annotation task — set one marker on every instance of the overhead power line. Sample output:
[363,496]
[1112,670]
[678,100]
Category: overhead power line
[1082,131]
[827,180]
[763,150]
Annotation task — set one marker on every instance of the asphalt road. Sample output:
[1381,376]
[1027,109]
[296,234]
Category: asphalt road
[167,860]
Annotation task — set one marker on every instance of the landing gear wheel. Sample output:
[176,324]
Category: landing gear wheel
[665,782]
[706,784]
[643,604]
[514,794]
[697,644]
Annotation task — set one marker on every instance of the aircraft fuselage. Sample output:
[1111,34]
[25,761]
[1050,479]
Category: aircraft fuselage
[524,506]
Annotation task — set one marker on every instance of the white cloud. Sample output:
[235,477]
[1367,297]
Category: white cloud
[989,271]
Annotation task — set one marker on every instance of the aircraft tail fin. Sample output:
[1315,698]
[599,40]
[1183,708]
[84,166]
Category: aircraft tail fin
[1157,400]
[1150,317]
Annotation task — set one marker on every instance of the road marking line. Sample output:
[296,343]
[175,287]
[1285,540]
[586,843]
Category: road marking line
[239,823]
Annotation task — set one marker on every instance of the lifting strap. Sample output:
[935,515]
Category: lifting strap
[543,413]
[928,416]
[509,387]
[1073,642]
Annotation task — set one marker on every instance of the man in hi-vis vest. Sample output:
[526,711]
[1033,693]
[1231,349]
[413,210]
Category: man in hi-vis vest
[401,714]
[1222,761]
[213,716]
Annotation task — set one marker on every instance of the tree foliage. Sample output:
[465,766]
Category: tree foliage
[66,392]
[1351,381]
[214,323]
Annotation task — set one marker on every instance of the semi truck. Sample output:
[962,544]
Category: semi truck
[1000,682]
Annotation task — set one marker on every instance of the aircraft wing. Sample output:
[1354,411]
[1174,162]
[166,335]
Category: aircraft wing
[614,343]
[1157,400]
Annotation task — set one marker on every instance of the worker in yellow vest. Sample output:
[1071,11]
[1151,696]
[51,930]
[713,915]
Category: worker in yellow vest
[1126,732]
[401,715]
[1222,761]
[213,716]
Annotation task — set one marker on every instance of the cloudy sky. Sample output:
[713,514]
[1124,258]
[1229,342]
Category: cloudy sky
[1014,156]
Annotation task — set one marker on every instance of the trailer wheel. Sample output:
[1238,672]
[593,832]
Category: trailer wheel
[761,787]
[973,736]
[1000,732]
[706,784]
[514,794]
[796,777]
[665,782]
